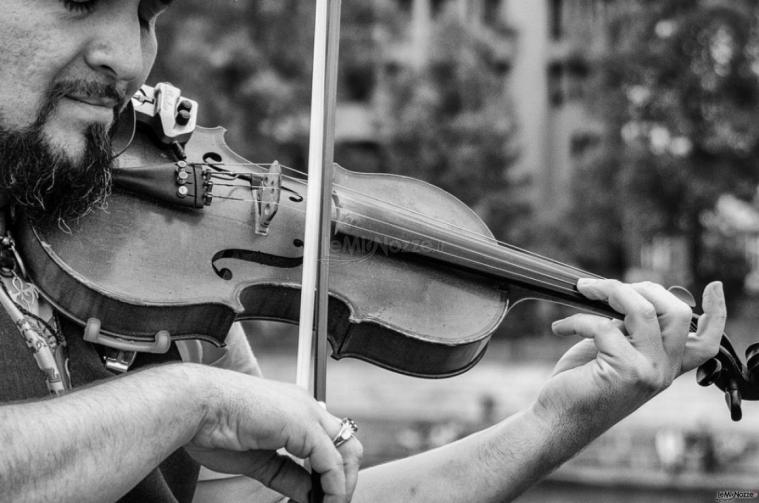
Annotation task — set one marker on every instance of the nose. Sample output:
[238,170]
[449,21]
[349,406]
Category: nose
[116,48]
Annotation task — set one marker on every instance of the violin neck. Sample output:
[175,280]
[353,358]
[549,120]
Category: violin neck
[524,274]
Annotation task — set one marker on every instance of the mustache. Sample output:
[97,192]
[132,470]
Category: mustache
[80,87]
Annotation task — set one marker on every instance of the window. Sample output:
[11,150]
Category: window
[567,79]
[556,19]
[437,7]
[582,143]
[576,73]
[491,12]
[359,83]
[555,83]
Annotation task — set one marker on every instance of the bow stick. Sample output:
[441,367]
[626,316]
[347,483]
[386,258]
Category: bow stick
[312,334]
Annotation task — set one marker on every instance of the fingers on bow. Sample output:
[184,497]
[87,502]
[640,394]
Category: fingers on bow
[281,473]
[351,452]
[338,467]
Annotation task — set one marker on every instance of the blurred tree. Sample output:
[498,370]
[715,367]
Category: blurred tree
[679,93]
[450,122]
[249,64]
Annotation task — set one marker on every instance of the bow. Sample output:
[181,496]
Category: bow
[312,335]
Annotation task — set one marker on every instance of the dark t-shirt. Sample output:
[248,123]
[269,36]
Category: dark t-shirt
[173,481]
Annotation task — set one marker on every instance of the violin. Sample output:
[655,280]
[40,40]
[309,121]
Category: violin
[196,237]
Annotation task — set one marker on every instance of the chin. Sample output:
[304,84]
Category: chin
[70,145]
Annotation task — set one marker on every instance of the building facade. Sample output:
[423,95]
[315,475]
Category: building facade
[545,48]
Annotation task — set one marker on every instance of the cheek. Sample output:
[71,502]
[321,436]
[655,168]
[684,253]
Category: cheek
[149,51]
[27,66]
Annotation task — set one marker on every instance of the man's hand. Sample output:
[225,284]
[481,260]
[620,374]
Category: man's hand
[621,365]
[248,419]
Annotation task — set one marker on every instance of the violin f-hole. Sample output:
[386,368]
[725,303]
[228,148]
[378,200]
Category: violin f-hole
[258,257]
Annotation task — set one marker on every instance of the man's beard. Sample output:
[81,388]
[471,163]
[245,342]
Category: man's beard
[46,184]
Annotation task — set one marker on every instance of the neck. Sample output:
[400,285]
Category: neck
[525,274]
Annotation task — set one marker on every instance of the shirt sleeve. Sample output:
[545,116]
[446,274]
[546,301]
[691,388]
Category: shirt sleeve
[237,355]
[236,489]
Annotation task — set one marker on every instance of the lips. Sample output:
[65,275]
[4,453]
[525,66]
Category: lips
[84,110]
[96,101]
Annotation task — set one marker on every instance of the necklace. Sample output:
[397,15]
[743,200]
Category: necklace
[28,311]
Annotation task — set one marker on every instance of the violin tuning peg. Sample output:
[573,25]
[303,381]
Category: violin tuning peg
[683,294]
[752,361]
[733,399]
[183,117]
[709,372]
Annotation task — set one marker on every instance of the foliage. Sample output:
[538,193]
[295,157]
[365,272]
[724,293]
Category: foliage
[249,65]
[451,123]
[679,93]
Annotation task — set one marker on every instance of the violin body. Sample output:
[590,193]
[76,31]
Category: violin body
[143,266]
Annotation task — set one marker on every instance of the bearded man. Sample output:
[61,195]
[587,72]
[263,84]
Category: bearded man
[67,67]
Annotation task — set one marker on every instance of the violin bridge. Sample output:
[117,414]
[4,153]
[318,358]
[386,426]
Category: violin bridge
[266,198]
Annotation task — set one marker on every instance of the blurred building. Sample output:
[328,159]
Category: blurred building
[557,40]
[407,45]
[545,49]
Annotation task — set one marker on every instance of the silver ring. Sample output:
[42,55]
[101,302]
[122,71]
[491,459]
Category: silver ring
[348,428]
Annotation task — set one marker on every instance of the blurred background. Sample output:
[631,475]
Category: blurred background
[621,136]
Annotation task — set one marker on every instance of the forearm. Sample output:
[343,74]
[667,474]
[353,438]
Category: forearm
[96,443]
[493,465]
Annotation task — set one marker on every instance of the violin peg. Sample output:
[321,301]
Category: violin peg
[752,361]
[709,372]
[733,399]
[683,294]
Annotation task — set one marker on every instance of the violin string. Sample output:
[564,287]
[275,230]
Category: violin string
[250,186]
[433,222]
[481,238]
[495,248]
[567,285]
[487,265]
[440,224]
[474,234]
[230,198]
[427,236]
